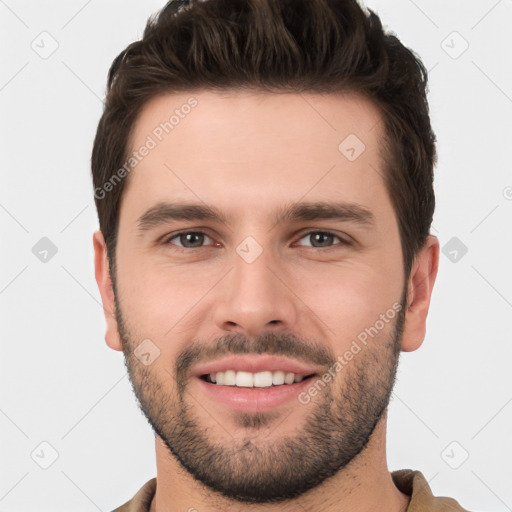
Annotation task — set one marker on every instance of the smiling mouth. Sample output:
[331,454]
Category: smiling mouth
[260,380]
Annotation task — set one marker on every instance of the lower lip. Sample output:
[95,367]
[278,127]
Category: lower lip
[253,400]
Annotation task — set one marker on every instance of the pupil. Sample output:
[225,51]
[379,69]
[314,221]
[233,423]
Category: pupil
[188,238]
[319,236]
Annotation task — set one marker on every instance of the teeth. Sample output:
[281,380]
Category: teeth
[256,380]
[278,378]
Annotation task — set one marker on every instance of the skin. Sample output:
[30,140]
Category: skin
[249,154]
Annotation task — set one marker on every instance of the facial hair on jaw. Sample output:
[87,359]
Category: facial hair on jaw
[336,428]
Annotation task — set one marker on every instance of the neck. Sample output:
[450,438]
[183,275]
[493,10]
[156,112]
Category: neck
[365,484]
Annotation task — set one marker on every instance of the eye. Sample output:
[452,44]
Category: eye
[188,239]
[321,239]
[197,239]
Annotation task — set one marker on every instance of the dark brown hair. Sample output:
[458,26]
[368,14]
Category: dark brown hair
[318,46]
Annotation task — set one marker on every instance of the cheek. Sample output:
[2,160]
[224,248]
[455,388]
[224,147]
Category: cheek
[351,297]
[160,299]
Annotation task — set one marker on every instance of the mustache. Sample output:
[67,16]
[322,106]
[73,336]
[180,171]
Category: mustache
[271,343]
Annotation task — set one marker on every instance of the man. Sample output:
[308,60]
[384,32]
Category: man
[263,177]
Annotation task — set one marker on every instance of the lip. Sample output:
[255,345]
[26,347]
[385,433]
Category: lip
[253,400]
[255,364]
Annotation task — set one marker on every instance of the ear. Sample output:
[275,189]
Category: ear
[420,286]
[102,274]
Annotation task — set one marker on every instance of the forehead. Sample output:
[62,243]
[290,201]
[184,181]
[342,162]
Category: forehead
[244,150]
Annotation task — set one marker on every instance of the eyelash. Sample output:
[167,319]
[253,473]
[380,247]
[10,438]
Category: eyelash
[167,240]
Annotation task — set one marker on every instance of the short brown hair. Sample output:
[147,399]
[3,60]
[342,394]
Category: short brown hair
[318,46]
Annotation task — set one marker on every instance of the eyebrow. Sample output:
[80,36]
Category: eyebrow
[163,213]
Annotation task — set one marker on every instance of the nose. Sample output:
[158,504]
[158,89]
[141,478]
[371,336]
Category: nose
[255,297]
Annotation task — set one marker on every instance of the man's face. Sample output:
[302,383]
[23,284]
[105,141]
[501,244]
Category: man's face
[307,288]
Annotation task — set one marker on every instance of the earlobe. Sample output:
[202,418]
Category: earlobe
[103,280]
[420,286]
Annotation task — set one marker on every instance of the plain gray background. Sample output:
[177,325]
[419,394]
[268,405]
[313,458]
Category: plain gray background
[60,385]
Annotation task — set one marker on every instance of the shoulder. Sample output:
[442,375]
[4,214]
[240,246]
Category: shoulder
[414,484]
[141,502]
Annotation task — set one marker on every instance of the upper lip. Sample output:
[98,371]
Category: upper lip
[255,364]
